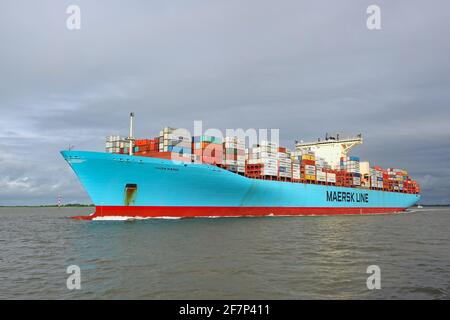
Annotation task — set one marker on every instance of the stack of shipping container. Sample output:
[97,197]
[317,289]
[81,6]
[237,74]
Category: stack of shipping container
[351,166]
[265,155]
[396,179]
[234,154]
[344,178]
[117,144]
[331,177]
[322,167]
[207,149]
[376,178]
[143,147]
[411,186]
[308,167]
[265,161]
[284,164]
[176,141]
[364,167]
[296,167]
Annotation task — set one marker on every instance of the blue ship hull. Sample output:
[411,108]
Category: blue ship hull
[131,186]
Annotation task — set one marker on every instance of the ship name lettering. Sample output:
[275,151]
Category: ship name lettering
[339,196]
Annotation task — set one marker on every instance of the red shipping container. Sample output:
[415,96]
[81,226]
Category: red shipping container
[309,162]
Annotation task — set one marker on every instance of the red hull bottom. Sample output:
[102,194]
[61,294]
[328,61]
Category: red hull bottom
[190,212]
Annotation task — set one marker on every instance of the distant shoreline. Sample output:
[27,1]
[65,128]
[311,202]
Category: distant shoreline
[432,205]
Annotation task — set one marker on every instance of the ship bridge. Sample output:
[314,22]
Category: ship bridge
[331,149]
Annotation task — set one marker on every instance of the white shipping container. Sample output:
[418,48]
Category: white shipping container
[309,167]
[331,175]
[268,155]
[267,149]
[285,175]
[269,161]
[179,136]
[181,144]
[230,145]
[321,173]
[269,144]
[271,167]
[233,139]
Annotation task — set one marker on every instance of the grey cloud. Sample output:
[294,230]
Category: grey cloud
[305,67]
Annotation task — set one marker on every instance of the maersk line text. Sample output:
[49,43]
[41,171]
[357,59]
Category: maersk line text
[347,196]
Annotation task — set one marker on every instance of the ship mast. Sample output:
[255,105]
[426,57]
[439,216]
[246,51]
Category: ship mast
[130,137]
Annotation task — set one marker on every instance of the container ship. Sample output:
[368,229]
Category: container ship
[175,176]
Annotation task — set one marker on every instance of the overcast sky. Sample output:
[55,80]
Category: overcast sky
[305,67]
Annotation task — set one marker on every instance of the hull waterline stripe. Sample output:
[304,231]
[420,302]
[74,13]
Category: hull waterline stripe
[185,212]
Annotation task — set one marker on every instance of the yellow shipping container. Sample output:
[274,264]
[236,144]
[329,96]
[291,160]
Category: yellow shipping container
[308,157]
[310,177]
